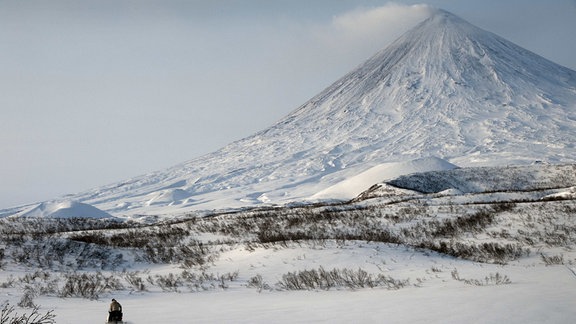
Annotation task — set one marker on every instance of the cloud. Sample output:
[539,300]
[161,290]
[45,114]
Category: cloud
[361,22]
[329,48]
[336,46]
[379,25]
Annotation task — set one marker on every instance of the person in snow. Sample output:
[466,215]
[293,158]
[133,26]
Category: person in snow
[115,312]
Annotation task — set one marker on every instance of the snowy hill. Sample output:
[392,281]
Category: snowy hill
[65,209]
[490,179]
[445,89]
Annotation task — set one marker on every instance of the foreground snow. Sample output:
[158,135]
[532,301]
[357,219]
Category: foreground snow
[517,220]
[524,302]
[537,294]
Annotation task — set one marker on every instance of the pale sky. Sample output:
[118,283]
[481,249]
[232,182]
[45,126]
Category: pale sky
[100,91]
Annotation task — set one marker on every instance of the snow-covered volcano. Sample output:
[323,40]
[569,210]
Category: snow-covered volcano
[444,90]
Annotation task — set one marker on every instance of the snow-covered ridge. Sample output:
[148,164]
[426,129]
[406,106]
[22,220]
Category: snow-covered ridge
[446,89]
[490,179]
[506,183]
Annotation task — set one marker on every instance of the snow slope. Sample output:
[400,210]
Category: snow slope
[445,89]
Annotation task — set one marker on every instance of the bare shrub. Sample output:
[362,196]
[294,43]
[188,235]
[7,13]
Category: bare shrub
[345,278]
[207,281]
[492,252]
[493,279]
[461,224]
[49,253]
[194,281]
[27,300]
[169,282]
[134,279]
[9,283]
[258,282]
[8,315]
[89,286]
[552,259]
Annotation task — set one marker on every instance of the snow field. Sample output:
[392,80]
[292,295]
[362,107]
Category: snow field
[537,294]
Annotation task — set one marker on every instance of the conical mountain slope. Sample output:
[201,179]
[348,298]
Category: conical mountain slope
[445,89]
[452,90]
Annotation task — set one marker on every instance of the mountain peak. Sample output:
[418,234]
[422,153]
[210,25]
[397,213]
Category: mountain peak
[447,88]
[442,17]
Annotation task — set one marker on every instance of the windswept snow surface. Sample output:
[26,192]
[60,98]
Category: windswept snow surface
[446,89]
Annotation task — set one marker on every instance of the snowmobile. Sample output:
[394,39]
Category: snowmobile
[115,318]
